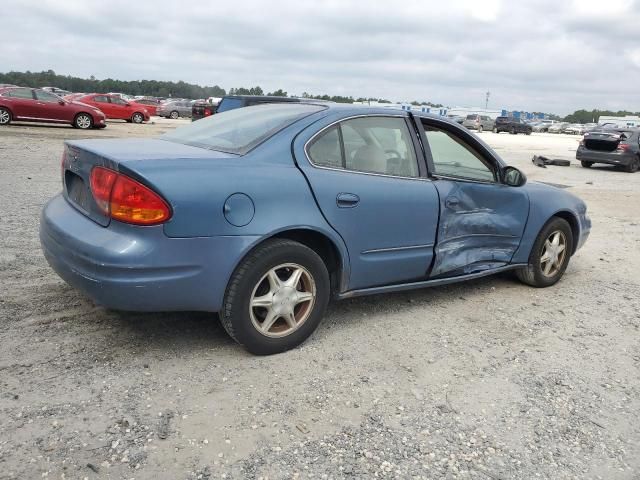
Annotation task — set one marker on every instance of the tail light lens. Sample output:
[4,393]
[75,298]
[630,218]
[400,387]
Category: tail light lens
[126,200]
[623,147]
[207,112]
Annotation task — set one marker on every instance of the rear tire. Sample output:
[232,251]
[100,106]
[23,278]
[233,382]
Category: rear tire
[513,131]
[495,130]
[265,314]
[540,273]
[83,121]
[480,129]
[5,116]
[174,115]
[633,166]
[586,164]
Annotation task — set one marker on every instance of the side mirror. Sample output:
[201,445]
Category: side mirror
[513,177]
[62,102]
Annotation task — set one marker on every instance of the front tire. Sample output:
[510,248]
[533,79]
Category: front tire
[513,131]
[174,115]
[5,116]
[586,164]
[83,121]
[480,128]
[276,297]
[549,256]
[137,117]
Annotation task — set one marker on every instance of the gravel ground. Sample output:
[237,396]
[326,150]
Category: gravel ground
[488,379]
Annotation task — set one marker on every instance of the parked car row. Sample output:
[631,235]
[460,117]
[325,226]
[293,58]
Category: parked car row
[37,105]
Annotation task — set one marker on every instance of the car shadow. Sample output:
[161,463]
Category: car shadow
[199,331]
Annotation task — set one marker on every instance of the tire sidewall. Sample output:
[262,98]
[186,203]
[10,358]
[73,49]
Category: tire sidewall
[554,224]
[137,118]
[172,116]
[236,306]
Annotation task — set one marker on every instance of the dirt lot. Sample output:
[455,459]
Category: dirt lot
[489,379]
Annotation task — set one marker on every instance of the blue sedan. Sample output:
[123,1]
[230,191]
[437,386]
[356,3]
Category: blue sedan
[265,213]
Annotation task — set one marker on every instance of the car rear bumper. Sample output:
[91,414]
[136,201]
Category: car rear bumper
[125,267]
[611,158]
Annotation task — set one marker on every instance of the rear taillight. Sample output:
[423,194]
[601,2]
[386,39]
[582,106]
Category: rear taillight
[126,200]
[207,112]
[623,147]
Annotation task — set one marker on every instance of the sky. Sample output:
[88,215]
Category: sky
[537,55]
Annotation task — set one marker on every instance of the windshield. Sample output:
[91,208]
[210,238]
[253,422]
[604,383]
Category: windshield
[240,130]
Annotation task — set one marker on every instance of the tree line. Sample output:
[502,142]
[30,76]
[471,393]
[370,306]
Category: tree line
[589,116]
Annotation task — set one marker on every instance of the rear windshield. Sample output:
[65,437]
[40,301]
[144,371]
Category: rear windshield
[502,119]
[472,117]
[240,130]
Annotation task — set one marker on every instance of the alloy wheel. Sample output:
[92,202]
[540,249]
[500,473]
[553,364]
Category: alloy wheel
[83,121]
[282,300]
[553,253]
[5,117]
[174,114]
[137,118]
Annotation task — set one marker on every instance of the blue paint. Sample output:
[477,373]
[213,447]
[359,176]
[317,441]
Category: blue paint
[389,232]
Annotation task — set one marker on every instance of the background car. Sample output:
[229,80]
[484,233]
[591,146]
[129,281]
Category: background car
[619,147]
[150,104]
[512,125]
[115,107]
[57,91]
[456,118]
[542,125]
[36,105]
[557,127]
[175,109]
[230,102]
[264,213]
[574,129]
[478,122]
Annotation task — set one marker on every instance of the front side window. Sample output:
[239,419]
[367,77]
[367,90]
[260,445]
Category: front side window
[118,101]
[369,144]
[19,93]
[240,130]
[47,97]
[452,157]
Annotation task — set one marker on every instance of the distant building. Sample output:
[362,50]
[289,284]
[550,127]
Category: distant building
[457,111]
[626,121]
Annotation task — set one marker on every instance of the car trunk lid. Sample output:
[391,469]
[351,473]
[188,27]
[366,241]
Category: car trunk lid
[120,155]
[603,141]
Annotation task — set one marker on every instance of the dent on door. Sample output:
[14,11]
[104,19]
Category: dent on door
[480,226]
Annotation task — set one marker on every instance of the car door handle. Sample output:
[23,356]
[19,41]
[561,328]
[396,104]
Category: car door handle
[452,202]
[347,200]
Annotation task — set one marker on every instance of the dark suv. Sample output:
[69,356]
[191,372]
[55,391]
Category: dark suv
[512,125]
[614,147]
[231,102]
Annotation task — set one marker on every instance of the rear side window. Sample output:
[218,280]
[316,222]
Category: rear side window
[229,104]
[240,130]
[19,93]
[101,99]
[369,144]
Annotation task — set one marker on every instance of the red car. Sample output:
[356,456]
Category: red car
[115,107]
[149,104]
[35,105]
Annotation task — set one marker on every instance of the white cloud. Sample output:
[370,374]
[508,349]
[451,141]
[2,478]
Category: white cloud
[535,55]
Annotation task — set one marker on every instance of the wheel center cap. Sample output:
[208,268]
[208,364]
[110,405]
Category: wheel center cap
[284,299]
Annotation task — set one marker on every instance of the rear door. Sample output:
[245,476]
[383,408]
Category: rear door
[481,219]
[101,102]
[366,179]
[21,102]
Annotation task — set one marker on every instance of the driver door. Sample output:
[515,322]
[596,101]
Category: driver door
[481,219]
